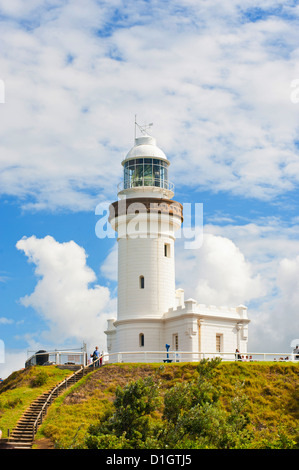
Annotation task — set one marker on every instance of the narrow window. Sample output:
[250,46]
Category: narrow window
[167,250]
[218,343]
[176,342]
[141,282]
[141,340]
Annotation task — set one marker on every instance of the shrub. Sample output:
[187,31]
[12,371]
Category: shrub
[192,413]
[39,380]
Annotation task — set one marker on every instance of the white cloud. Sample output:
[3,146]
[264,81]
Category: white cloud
[288,306]
[264,255]
[255,264]
[14,360]
[217,273]
[65,294]
[5,321]
[216,85]
[109,266]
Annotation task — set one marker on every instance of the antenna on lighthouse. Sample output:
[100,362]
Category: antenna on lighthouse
[143,129]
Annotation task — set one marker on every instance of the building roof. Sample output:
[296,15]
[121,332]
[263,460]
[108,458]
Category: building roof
[145,146]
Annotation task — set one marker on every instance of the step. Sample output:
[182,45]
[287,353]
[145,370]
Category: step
[22,424]
[22,435]
[34,411]
[21,432]
[17,434]
[22,438]
[23,442]
[20,445]
[28,420]
[25,421]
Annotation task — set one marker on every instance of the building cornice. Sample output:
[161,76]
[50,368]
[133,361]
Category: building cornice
[203,316]
[183,315]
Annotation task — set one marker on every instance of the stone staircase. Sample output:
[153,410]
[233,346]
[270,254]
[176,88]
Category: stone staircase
[22,436]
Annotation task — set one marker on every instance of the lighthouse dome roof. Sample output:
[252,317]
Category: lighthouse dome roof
[145,146]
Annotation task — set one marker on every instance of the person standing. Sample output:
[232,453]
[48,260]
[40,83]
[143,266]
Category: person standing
[96,356]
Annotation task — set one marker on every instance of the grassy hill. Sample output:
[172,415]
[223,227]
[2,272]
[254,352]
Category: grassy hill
[21,388]
[269,394]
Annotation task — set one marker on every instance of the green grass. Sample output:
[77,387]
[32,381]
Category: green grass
[271,389]
[71,414]
[23,387]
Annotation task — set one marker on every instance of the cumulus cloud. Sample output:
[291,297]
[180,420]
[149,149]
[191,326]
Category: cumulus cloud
[214,77]
[288,278]
[217,273]
[275,322]
[109,266]
[216,86]
[264,253]
[255,264]
[66,296]
[288,305]
[13,360]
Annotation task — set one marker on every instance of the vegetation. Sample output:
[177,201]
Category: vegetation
[21,388]
[192,417]
[189,405]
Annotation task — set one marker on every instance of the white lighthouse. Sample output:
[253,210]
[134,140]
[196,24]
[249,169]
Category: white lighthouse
[151,312]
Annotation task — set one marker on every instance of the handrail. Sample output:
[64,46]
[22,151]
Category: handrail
[39,418]
[180,356]
[56,355]
[146,182]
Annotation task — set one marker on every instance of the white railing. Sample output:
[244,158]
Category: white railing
[187,356]
[146,182]
[57,358]
[80,358]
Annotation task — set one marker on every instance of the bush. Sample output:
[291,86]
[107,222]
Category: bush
[39,380]
[130,423]
[191,413]
[210,411]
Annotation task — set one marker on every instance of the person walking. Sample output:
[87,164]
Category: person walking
[96,356]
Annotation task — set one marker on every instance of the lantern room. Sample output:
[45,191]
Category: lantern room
[146,166]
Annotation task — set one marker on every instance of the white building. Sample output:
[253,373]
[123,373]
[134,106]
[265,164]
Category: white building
[151,312]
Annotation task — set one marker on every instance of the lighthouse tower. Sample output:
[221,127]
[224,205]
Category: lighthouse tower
[145,218]
[151,313]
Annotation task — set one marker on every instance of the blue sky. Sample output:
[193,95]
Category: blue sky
[218,80]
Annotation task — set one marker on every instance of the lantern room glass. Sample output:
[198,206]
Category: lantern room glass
[145,172]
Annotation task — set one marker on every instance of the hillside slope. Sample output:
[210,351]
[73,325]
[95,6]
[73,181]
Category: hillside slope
[271,391]
[21,388]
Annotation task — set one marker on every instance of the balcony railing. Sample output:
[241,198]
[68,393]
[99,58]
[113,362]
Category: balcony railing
[187,356]
[80,358]
[146,182]
[77,358]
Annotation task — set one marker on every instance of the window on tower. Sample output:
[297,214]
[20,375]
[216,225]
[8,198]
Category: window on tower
[167,250]
[141,340]
[141,282]
[146,172]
